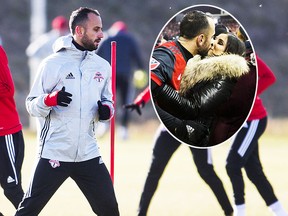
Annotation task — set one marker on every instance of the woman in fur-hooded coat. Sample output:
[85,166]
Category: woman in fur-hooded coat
[221,72]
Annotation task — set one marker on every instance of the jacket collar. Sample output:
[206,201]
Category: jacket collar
[64,42]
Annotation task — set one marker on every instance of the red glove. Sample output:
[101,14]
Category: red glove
[60,98]
[143,97]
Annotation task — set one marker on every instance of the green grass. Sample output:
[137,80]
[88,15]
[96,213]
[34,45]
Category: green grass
[181,191]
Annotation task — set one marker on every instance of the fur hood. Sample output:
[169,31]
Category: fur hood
[225,66]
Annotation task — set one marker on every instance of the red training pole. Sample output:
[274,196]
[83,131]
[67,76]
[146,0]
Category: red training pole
[112,123]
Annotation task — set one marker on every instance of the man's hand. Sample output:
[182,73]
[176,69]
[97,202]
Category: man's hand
[104,111]
[135,106]
[60,98]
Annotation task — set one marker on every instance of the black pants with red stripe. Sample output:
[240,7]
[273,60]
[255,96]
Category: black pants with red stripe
[11,160]
[92,177]
[244,153]
[164,148]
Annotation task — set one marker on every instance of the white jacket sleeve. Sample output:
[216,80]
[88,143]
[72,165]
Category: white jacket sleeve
[42,86]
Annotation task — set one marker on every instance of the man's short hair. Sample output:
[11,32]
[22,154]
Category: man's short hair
[193,23]
[79,16]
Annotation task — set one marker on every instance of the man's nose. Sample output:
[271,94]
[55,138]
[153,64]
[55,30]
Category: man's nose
[101,34]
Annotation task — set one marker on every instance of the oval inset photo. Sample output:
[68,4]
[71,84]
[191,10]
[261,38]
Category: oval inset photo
[203,76]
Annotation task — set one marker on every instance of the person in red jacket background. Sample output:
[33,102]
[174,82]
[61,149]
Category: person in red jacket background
[244,152]
[11,137]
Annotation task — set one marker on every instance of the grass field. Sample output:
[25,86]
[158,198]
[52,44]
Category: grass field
[181,191]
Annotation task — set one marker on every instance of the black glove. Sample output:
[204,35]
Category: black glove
[135,106]
[193,133]
[64,98]
[104,111]
[60,98]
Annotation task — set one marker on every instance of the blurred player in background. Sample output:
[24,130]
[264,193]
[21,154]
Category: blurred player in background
[128,59]
[41,47]
[164,147]
[244,152]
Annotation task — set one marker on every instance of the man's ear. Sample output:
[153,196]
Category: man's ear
[79,30]
[200,39]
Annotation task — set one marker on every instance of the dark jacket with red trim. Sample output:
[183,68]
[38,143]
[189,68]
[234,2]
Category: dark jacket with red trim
[169,62]
[167,66]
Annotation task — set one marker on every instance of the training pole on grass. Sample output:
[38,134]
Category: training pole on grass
[112,123]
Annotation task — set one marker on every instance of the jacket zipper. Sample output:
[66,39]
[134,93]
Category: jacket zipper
[80,101]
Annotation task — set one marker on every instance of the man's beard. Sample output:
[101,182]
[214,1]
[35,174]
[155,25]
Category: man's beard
[203,51]
[88,44]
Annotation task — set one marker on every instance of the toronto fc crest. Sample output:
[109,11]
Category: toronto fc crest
[54,163]
[98,76]
[153,64]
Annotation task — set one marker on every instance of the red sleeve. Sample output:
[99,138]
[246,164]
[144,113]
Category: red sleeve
[156,79]
[143,96]
[6,82]
[265,76]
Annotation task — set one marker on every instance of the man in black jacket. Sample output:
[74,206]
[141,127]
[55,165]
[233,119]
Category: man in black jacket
[167,66]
